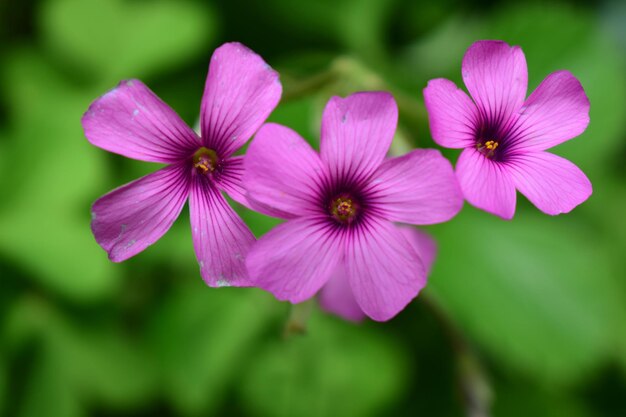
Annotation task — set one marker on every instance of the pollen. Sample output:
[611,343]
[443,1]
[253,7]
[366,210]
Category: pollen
[205,161]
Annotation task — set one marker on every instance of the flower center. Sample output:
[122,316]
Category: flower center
[344,208]
[487,148]
[205,160]
[491,145]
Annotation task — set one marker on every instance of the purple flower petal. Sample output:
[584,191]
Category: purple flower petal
[558,110]
[423,244]
[336,296]
[134,216]
[486,184]
[230,180]
[220,238]
[553,184]
[283,173]
[419,188]
[453,117]
[240,93]
[384,271]
[356,133]
[496,77]
[296,258]
[131,120]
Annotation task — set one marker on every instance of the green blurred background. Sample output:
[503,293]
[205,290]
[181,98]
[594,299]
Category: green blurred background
[520,318]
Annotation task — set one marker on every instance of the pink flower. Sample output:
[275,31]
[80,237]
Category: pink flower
[340,206]
[241,91]
[504,135]
[337,297]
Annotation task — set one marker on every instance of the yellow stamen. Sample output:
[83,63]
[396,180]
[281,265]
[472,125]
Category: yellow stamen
[491,145]
[205,160]
[202,166]
[344,209]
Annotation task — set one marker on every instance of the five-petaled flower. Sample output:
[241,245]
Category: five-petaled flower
[241,91]
[504,135]
[340,207]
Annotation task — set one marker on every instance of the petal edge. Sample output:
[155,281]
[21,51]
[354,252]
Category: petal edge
[453,117]
[283,176]
[134,216]
[132,121]
[553,184]
[241,91]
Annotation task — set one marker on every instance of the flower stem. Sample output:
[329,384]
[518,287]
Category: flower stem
[473,383]
[295,89]
[298,318]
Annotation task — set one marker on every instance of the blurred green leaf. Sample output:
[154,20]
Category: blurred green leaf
[113,370]
[357,25]
[47,392]
[5,182]
[538,293]
[337,369]
[55,174]
[439,53]
[300,115]
[77,365]
[3,383]
[174,249]
[121,39]
[608,207]
[313,18]
[258,223]
[363,27]
[203,338]
[523,400]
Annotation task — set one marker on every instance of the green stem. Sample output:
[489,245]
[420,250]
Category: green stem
[298,318]
[294,90]
[473,382]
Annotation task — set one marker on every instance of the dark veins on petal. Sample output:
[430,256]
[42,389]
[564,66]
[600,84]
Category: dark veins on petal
[345,203]
[496,138]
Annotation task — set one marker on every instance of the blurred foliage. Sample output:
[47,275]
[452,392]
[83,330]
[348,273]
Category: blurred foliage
[336,369]
[146,38]
[536,305]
